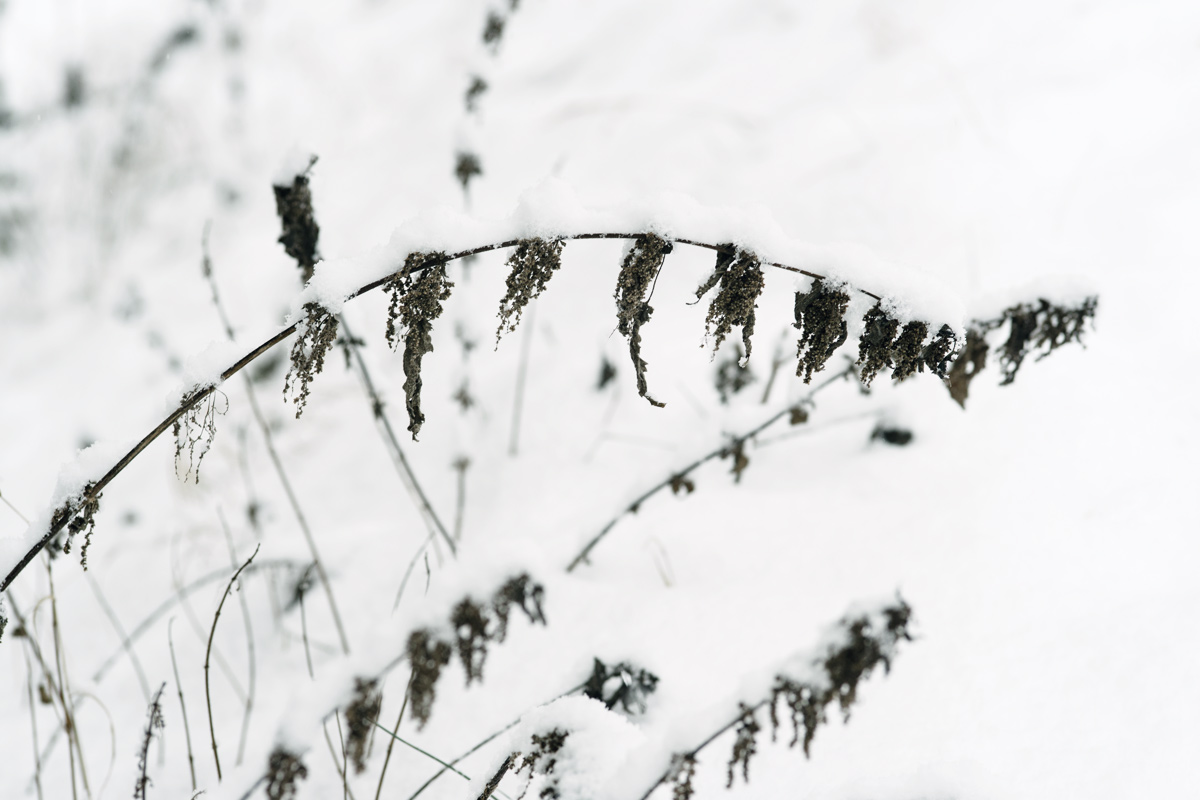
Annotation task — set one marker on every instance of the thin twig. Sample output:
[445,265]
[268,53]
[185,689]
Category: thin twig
[333,754]
[674,478]
[251,666]
[342,741]
[187,731]
[154,616]
[461,465]
[276,461]
[126,642]
[304,625]
[419,750]
[399,718]
[384,424]
[37,758]
[60,665]
[202,393]
[522,372]
[212,632]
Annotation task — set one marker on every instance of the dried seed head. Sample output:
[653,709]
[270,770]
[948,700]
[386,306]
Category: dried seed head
[427,656]
[939,352]
[820,318]
[1044,325]
[474,91]
[875,346]
[315,335]
[635,281]
[283,770]
[745,745]
[523,592]
[542,758]
[467,166]
[418,291]
[623,684]
[360,720]
[970,362]
[681,773]
[531,265]
[741,282]
[471,632]
[195,430]
[81,511]
[493,30]
[300,230]
[733,375]
[907,350]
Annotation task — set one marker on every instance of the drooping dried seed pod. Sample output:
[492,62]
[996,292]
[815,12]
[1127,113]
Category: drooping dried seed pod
[427,656]
[315,335]
[622,684]
[970,362]
[875,345]
[639,269]
[467,167]
[195,430]
[741,282]
[471,632]
[82,514]
[293,204]
[820,318]
[283,770]
[531,265]
[1044,325]
[939,352]
[907,350]
[360,720]
[745,745]
[417,293]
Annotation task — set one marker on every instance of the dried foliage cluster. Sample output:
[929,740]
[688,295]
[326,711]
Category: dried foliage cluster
[194,432]
[868,642]
[315,336]
[741,280]
[635,283]
[417,293]
[360,720]
[820,318]
[283,770]
[475,626]
[154,723]
[294,205]
[530,266]
[79,516]
[622,685]
[540,759]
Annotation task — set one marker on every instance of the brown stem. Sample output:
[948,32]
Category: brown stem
[201,393]
[208,651]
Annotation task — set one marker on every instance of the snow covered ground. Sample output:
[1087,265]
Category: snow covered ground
[1045,537]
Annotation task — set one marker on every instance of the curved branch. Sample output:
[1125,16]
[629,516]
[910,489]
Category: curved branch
[65,512]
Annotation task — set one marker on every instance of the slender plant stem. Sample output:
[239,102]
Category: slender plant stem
[342,741]
[208,650]
[522,374]
[202,635]
[304,629]
[388,434]
[722,451]
[461,466]
[399,718]
[70,507]
[419,750]
[273,453]
[126,642]
[60,665]
[187,731]
[251,668]
[158,613]
[37,758]
[333,754]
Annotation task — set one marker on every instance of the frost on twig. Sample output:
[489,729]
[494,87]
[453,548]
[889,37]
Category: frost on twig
[639,269]
[741,282]
[820,318]
[194,433]
[418,291]
[315,335]
[532,263]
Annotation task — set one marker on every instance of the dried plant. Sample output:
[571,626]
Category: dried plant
[908,350]
[681,774]
[622,684]
[78,515]
[360,720]
[283,770]
[195,430]
[745,745]
[470,625]
[315,335]
[820,318]
[970,362]
[540,759]
[733,375]
[493,30]
[300,230]
[741,282]
[427,656]
[1044,325]
[635,282]
[875,345]
[418,291]
[474,91]
[154,723]
[467,166]
[530,266]
[522,592]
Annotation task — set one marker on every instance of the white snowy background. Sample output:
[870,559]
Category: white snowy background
[1046,536]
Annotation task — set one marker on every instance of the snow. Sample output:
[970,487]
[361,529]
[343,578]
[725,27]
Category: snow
[953,158]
